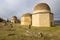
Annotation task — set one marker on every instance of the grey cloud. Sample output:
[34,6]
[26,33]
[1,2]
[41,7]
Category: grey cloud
[9,8]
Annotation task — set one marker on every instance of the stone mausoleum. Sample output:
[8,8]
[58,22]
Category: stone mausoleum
[41,16]
[26,19]
[14,19]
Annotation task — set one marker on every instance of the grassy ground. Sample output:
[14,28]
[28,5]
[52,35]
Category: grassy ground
[19,32]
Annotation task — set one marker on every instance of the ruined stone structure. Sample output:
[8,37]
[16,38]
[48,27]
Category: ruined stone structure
[26,19]
[14,19]
[42,16]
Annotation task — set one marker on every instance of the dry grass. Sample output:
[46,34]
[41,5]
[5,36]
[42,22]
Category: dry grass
[19,32]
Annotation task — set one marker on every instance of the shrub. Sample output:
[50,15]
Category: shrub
[1,20]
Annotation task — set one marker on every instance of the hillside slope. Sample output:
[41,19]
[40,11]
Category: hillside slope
[19,32]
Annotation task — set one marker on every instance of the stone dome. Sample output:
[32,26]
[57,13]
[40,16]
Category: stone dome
[14,17]
[26,14]
[42,6]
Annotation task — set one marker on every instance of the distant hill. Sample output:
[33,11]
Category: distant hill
[1,20]
[57,22]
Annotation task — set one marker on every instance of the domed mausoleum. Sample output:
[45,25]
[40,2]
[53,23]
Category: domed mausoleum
[14,19]
[26,19]
[42,16]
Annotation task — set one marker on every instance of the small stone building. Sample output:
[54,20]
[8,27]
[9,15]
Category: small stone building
[42,16]
[26,19]
[14,19]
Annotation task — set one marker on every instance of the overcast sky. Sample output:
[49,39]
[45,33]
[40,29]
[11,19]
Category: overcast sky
[10,8]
